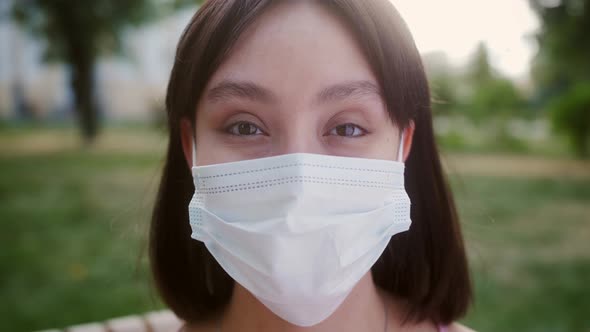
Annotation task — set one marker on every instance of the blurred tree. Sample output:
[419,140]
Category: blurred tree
[570,114]
[480,71]
[444,94]
[78,32]
[561,67]
[496,97]
[491,95]
[564,44]
[443,83]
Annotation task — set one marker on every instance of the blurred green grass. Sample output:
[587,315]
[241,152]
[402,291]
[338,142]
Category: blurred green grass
[529,252]
[75,221]
[74,227]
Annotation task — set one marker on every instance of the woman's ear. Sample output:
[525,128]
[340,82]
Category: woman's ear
[187,138]
[408,137]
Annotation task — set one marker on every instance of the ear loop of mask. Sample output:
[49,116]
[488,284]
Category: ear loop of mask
[194,154]
[400,150]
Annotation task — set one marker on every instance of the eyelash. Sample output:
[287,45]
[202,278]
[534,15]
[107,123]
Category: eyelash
[357,131]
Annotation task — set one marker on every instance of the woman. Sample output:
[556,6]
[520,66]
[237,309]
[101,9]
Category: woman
[307,128]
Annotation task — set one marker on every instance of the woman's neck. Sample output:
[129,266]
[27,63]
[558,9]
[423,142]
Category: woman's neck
[362,310]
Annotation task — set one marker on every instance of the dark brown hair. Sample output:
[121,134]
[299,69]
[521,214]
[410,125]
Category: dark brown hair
[426,266]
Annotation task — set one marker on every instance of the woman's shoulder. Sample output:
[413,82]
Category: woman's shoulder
[456,327]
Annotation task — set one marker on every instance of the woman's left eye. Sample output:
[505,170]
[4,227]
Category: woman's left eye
[244,128]
[348,130]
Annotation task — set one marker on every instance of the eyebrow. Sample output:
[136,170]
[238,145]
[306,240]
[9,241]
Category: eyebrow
[347,90]
[240,89]
[249,90]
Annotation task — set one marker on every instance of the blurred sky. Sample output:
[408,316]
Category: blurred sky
[456,26]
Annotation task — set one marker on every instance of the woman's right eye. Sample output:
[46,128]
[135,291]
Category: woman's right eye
[244,128]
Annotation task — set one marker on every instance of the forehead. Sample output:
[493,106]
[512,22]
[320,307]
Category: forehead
[295,48]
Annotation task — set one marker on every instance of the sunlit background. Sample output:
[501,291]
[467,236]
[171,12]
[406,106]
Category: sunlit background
[456,27]
[82,142]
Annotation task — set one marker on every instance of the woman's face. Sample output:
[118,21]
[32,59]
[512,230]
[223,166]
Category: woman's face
[296,81]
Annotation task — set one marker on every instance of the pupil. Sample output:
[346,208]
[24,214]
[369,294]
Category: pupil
[245,129]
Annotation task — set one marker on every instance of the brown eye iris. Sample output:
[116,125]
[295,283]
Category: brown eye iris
[345,130]
[348,130]
[245,128]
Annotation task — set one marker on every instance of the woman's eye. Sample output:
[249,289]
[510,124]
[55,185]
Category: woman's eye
[243,128]
[348,130]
